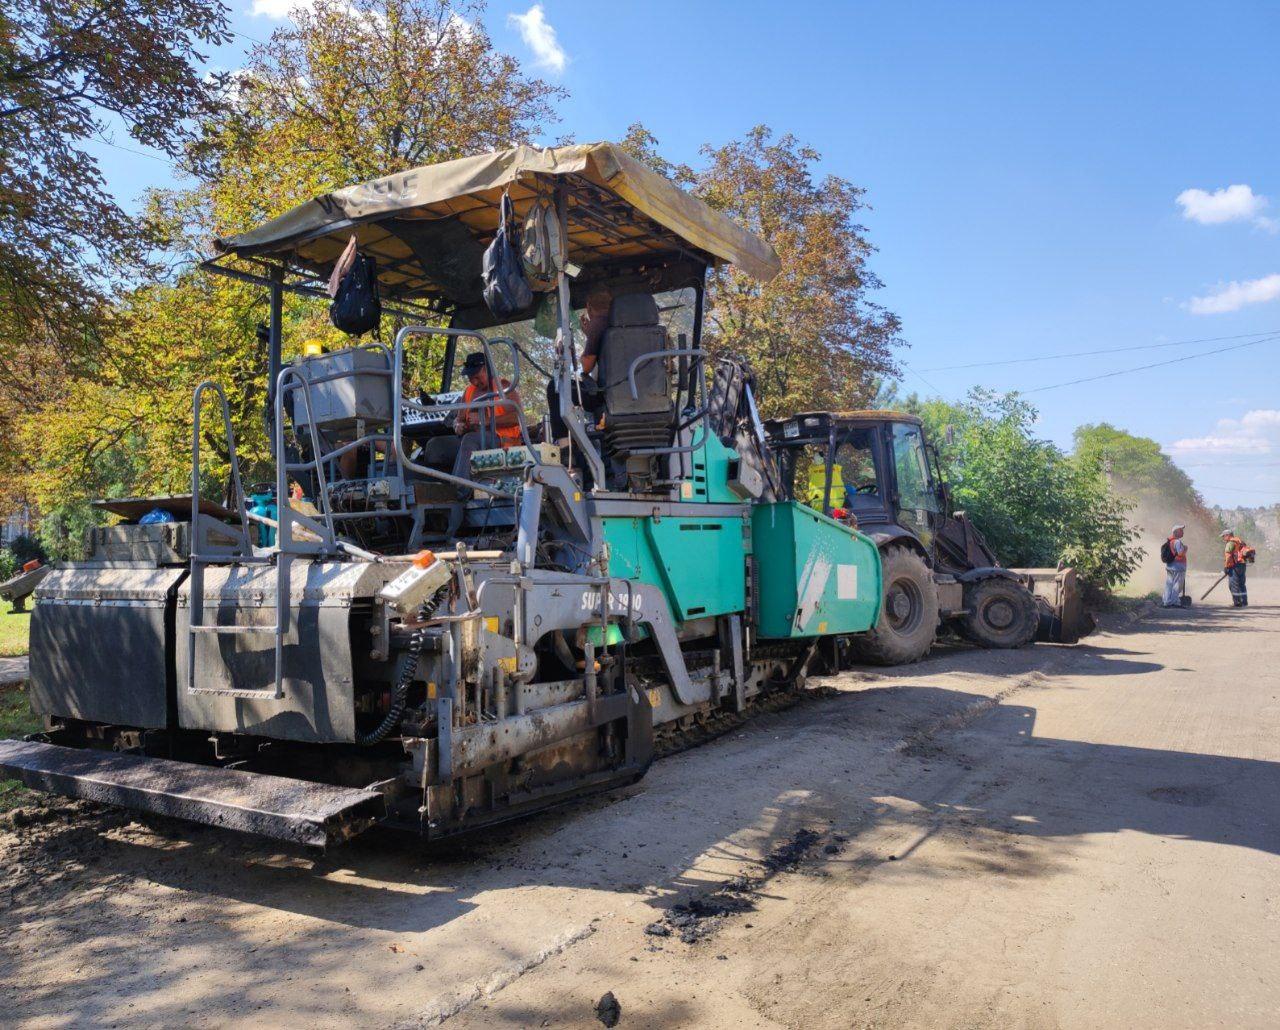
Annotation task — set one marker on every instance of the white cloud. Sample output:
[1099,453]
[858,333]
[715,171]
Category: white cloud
[277,9]
[1236,203]
[538,36]
[1256,432]
[1233,296]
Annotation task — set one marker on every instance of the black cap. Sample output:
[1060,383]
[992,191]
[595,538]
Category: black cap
[474,363]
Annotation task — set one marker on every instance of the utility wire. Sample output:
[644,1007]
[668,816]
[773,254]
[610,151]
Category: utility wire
[1093,353]
[922,379]
[1238,490]
[1155,364]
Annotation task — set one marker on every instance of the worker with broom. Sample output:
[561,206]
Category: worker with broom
[1173,552]
[1236,558]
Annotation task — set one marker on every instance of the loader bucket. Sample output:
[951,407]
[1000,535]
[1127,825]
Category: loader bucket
[1063,618]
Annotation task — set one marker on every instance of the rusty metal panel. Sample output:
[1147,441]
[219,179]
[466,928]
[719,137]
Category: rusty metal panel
[98,645]
[308,813]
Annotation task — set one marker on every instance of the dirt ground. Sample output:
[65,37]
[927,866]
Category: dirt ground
[1069,837]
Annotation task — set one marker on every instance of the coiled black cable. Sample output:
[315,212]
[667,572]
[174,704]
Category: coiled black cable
[410,669]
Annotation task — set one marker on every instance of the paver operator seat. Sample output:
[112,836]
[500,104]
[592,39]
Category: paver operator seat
[645,420]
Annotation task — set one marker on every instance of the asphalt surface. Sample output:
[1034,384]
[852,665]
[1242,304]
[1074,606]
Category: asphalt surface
[1080,836]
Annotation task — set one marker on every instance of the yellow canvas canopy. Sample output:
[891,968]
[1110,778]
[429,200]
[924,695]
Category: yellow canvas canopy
[428,227]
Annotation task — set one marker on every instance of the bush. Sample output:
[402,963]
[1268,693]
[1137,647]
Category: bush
[25,548]
[8,564]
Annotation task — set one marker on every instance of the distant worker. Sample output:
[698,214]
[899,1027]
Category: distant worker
[1237,556]
[1174,555]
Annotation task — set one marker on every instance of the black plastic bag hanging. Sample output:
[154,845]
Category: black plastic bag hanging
[506,290]
[356,307]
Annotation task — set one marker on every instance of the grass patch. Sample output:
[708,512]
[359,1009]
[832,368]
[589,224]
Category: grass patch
[14,629]
[16,720]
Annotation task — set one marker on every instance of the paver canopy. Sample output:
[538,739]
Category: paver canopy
[427,227]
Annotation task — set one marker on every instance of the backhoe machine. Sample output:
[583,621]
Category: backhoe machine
[876,471]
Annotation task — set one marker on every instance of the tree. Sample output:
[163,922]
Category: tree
[350,91]
[1160,492]
[344,93]
[1035,505]
[68,71]
[65,71]
[812,336]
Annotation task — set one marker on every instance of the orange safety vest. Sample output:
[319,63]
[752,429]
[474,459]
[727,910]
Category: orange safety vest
[1235,555]
[508,436]
[1180,559]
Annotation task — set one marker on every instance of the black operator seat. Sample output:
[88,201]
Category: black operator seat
[645,420]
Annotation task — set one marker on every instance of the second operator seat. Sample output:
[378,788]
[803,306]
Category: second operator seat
[645,420]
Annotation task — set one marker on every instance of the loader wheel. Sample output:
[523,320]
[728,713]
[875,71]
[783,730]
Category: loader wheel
[1001,614]
[909,618]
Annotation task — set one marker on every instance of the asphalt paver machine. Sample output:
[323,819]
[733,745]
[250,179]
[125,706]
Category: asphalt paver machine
[877,471]
[396,640]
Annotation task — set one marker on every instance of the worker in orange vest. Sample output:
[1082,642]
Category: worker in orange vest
[482,427]
[1174,554]
[1235,560]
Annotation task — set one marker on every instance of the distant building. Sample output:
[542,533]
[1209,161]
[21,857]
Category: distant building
[15,525]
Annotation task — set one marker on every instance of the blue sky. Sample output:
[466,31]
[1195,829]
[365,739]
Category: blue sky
[1024,163]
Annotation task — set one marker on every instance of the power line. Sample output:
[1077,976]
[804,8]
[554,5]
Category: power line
[921,378]
[245,35]
[1228,464]
[1237,490]
[1094,353]
[1155,364]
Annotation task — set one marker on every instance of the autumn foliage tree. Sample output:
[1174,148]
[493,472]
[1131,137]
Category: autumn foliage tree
[813,336]
[66,70]
[68,73]
[342,93]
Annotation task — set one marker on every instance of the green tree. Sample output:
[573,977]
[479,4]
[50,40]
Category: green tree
[1035,505]
[1160,492]
[69,72]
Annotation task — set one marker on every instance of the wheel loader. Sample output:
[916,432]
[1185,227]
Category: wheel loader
[876,471]
[391,630]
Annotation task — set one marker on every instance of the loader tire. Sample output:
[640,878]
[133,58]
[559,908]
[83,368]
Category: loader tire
[908,620]
[1001,613]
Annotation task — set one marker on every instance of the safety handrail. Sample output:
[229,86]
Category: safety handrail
[196,625]
[649,452]
[197,404]
[287,515]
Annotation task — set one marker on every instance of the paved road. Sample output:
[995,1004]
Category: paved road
[1053,837]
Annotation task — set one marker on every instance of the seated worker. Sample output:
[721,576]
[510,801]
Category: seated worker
[498,426]
[593,321]
[481,428]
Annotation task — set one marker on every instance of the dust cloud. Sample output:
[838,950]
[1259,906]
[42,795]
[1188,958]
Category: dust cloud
[1154,518]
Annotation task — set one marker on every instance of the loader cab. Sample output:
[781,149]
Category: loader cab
[870,467]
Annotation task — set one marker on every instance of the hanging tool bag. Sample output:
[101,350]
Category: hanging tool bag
[506,291]
[356,307]
[542,245]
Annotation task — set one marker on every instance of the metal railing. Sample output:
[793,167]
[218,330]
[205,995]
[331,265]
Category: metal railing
[203,554]
[699,415]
